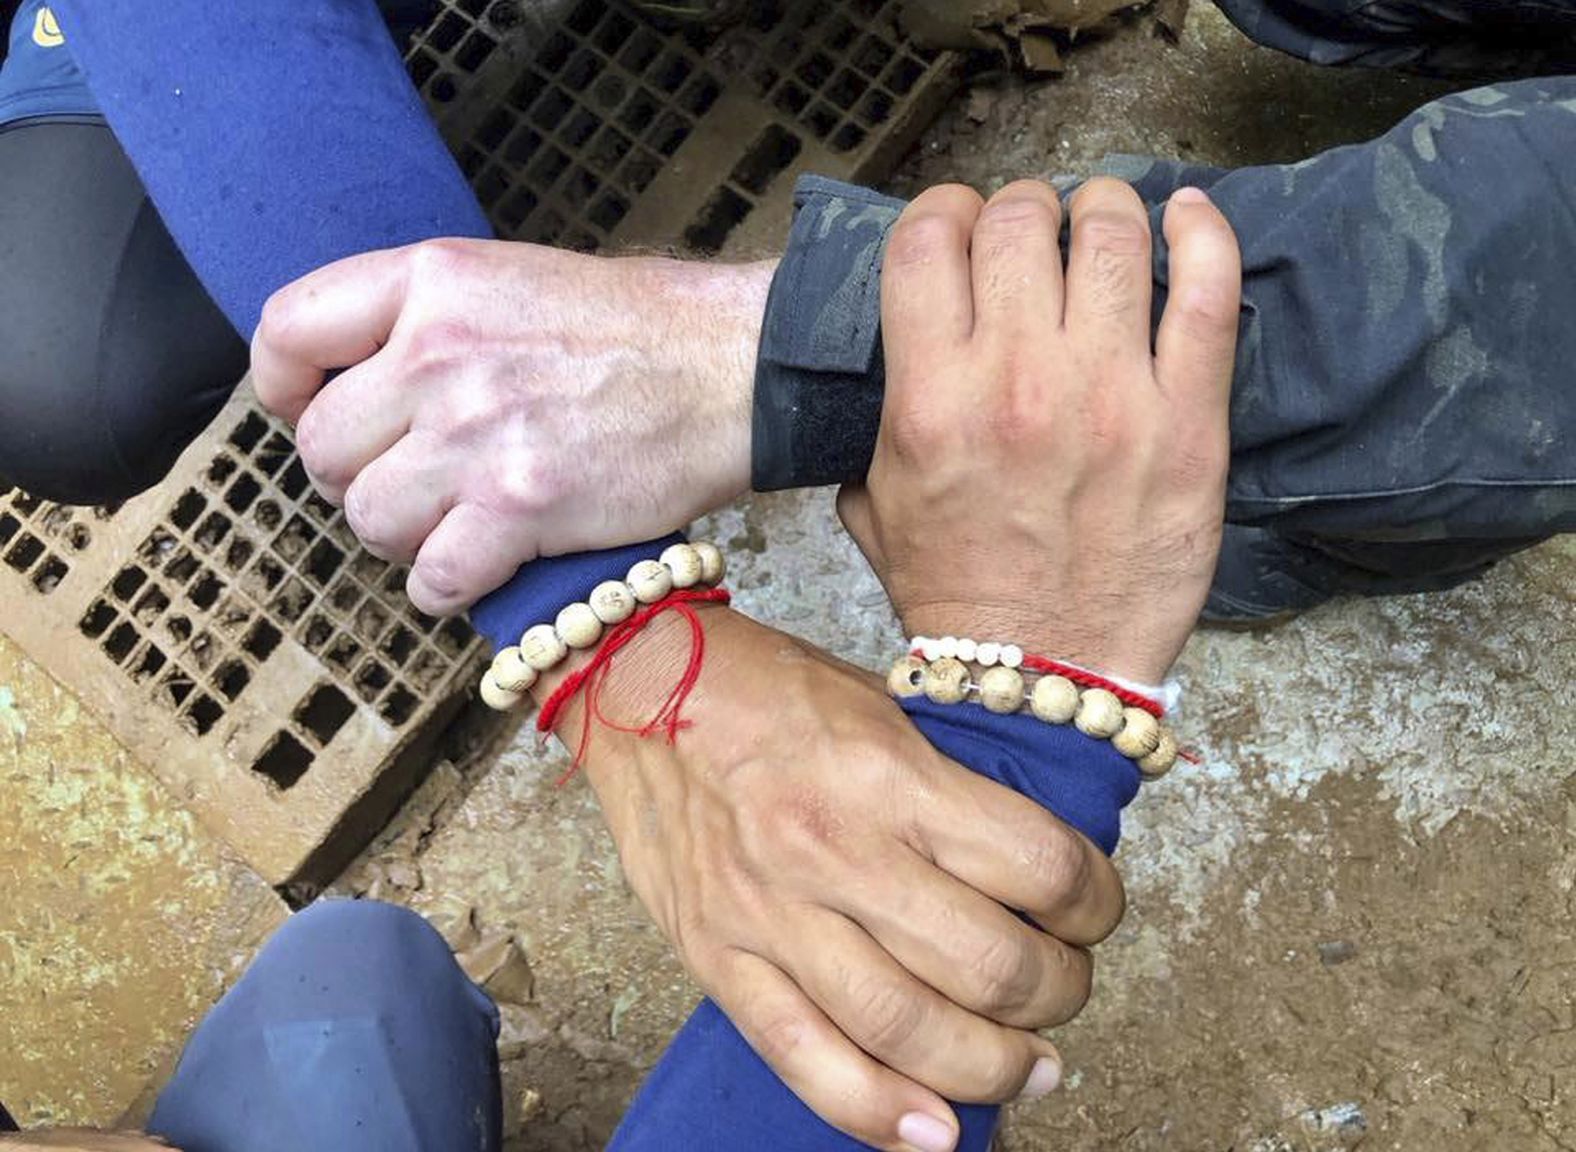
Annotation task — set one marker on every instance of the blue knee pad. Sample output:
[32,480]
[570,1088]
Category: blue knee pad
[353,1031]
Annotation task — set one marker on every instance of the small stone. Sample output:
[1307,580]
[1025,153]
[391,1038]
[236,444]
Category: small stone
[612,601]
[542,648]
[1333,952]
[1140,734]
[455,921]
[684,562]
[577,626]
[404,875]
[1099,714]
[500,966]
[1159,762]
[907,677]
[496,697]
[511,672]
[1054,699]
[713,566]
[650,581]
[1001,689]
[947,681]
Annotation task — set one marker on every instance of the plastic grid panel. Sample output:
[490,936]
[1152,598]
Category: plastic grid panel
[234,636]
[248,554]
[40,541]
[838,73]
[583,127]
[563,130]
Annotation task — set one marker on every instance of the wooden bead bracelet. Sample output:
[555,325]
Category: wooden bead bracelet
[580,625]
[1096,712]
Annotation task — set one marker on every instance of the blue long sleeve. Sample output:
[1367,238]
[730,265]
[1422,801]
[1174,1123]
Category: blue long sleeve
[277,138]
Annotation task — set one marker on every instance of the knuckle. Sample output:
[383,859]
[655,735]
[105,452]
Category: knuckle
[1106,193]
[314,441]
[442,582]
[780,1034]
[440,258]
[918,428]
[1114,234]
[922,237]
[1005,975]
[365,513]
[1001,1072]
[1017,217]
[1057,866]
[280,318]
[434,345]
[890,1016]
[527,487]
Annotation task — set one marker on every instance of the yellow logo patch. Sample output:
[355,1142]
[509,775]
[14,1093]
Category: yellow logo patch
[46,30]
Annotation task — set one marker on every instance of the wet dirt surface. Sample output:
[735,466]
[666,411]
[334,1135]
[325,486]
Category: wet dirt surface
[1350,925]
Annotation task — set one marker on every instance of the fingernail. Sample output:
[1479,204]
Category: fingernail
[1045,1079]
[924,1132]
[1189,196]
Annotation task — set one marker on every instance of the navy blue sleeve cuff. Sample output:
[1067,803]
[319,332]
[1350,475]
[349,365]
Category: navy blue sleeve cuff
[538,590]
[819,374]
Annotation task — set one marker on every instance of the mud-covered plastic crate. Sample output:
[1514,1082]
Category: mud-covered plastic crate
[585,125]
[238,641]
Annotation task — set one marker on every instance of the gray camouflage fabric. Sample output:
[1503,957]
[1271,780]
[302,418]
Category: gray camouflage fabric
[1404,408]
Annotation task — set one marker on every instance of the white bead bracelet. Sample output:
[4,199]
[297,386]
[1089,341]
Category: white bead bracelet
[581,625]
[1001,688]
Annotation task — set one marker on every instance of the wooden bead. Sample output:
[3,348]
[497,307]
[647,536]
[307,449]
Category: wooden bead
[541,647]
[650,581]
[1159,762]
[1054,699]
[713,566]
[907,677]
[947,681]
[1099,714]
[578,626]
[498,698]
[510,671]
[612,601]
[1001,689]
[1140,734]
[684,562]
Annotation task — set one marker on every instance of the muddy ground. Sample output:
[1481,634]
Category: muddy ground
[1351,925]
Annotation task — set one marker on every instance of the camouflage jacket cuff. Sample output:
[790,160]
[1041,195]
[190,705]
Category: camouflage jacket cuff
[819,375]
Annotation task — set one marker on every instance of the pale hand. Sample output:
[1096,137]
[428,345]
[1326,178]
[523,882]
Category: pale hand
[505,401]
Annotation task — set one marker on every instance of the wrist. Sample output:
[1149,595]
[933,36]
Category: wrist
[1121,654]
[724,306]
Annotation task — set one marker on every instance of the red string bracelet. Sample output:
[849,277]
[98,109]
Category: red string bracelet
[1094,680]
[593,677]
[1085,679]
